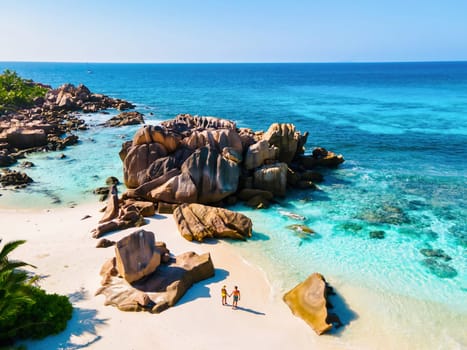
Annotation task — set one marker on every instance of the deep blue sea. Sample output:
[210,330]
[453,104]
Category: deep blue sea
[402,128]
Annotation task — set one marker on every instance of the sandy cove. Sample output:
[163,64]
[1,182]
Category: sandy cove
[59,243]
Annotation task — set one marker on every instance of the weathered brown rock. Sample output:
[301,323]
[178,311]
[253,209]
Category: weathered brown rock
[218,139]
[321,158]
[284,137]
[138,160]
[144,208]
[213,176]
[272,178]
[136,255]
[111,211]
[155,133]
[308,301]
[14,178]
[125,118]
[258,153]
[26,138]
[248,193]
[197,222]
[158,291]
[183,123]
[104,243]
[166,208]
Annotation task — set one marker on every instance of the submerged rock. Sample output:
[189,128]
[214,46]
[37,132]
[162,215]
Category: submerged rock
[300,228]
[351,226]
[439,268]
[377,234]
[292,215]
[435,253]
[387,214]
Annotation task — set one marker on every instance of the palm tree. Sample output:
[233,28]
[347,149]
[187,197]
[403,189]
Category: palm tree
[14,283]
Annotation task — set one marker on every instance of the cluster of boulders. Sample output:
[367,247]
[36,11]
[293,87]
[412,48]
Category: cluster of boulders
[50,123]
[14,178]
[208,160]
[69,97]
[180,166]
[143,276]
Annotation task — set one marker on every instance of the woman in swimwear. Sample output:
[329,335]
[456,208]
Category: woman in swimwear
[224,295]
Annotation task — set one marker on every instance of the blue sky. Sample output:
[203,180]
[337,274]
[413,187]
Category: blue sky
[233,31]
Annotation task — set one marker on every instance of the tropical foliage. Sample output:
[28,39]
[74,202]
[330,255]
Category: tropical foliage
[16,92]
[27,311]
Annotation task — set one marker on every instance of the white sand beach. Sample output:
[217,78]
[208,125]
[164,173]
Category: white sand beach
[59,243]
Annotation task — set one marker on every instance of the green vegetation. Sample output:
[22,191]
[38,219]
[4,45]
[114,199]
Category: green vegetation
[26,311]
[16,92]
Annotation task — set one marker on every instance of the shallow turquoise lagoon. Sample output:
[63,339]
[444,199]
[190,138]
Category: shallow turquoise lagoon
[402,128]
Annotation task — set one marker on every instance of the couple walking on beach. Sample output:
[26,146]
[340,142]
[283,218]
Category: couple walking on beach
[235,293]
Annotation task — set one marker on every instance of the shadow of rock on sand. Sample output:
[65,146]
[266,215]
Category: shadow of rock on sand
[80,333]
[201,289]
[338,306]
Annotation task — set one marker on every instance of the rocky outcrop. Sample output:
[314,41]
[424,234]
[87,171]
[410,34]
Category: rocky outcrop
[158,290]
[198,222]
[308,301]
[125,118]
[321,158]
[49,124]
[69,97]
[193,159]
[136,255]
[14,178]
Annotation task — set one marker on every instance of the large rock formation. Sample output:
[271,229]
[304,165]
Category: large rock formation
[308,301]
[193,159]
[158,290]
[197,222]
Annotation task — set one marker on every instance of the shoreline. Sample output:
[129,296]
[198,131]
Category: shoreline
[59,243]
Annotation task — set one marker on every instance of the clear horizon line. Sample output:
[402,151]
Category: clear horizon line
[241,62]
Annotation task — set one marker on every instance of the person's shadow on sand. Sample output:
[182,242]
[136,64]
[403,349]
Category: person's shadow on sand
[241,308]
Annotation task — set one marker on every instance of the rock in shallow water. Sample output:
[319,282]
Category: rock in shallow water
[377,234]
[435,253]
[439,268]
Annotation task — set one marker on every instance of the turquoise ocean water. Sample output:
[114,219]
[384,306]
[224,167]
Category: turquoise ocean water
[402,128]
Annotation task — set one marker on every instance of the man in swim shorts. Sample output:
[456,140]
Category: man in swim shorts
[236,297]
